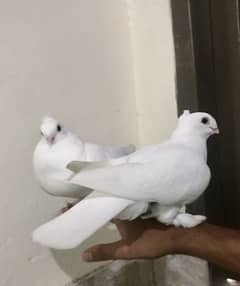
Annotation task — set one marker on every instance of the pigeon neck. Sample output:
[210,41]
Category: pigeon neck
[195,142]
[61,136]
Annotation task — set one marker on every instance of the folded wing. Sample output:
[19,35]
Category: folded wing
[169,177]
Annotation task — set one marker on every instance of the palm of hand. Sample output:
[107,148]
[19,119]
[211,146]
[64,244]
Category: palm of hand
[139,239]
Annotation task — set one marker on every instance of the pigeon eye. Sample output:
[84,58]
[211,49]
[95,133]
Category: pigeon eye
[59,128]
[205,120]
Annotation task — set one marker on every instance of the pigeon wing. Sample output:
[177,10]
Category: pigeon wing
[114,152]
[73,227]
[173,175]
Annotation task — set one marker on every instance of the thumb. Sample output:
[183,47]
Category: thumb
[111,251]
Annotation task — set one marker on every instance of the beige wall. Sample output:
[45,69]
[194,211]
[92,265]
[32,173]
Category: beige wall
[154,68]
[70,59]
[88,64]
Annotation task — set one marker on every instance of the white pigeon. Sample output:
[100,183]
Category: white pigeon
[57,148]
[172,174]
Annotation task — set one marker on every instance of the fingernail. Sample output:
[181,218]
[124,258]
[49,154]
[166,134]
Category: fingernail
[87,256]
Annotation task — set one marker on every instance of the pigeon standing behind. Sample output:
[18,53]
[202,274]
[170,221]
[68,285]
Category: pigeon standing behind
[172,174]
[57,148]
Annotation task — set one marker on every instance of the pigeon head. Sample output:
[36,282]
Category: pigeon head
[199,123]
[50,128]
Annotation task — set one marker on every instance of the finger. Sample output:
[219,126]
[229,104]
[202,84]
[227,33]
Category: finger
[111,251]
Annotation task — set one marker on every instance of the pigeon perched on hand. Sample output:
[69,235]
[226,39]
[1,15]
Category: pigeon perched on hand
[172,174]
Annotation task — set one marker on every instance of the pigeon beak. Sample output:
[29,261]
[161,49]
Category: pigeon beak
[215,130]
[50,140]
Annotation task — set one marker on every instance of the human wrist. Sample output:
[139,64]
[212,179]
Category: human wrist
[183,240]
[177,239]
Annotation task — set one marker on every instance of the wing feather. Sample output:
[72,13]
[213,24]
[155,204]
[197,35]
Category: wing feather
[169,178]
[73,227]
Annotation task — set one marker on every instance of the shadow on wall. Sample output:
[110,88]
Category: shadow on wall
[70,260]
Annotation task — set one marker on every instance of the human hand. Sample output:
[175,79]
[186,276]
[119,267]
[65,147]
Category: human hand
[139,239]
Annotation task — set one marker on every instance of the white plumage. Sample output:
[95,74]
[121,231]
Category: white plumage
[79,222]
[54,151]
[171,174]
[57,148]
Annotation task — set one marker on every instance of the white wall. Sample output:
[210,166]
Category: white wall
[154,68]
[105,68]
[70,59]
